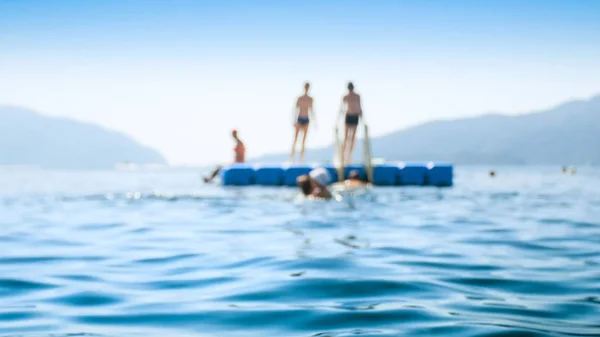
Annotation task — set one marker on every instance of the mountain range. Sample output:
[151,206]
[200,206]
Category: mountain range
[32,139]
[567,134]
[562,135]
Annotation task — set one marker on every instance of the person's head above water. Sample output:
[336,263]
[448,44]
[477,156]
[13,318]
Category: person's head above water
[234,133]
[315,183]
[320,176]
[304,184]
[350,86]
[306,87]
[354,175]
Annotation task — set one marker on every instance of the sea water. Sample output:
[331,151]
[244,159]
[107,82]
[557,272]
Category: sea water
[162,254]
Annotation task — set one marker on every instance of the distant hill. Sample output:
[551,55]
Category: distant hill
[28,138]
[565,134]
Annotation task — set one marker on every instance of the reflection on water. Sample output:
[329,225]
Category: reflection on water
[159,253]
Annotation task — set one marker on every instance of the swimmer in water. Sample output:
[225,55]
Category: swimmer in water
[315,184]
[354,180]
[239,156]
[352,108]
[304,107]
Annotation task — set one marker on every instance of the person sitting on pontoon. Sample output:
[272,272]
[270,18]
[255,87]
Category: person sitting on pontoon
[239,157]
[315,183]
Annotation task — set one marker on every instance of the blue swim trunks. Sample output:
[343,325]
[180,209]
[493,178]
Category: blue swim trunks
[303,120]
[352,120]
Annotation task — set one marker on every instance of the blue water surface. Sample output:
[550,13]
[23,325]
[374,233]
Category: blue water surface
[162,254]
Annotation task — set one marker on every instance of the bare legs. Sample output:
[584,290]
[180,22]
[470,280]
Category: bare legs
[303,143]
[213,175]
[346,130]
[294,143]
[304,130]
[352,142]
[349,136]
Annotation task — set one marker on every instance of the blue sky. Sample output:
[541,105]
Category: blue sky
[178,75]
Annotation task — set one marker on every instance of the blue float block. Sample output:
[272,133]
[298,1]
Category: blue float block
[237,175]
[291,173]
[440,175]
[357,167]
[385,174]
[268,175]
[412,174]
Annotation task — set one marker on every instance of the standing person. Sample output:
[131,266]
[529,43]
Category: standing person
[353,110]
[304,108]
[239,156]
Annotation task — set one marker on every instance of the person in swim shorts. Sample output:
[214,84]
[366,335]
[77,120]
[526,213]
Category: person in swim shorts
[304,108]
[352,108]
[239,156]
[314,184]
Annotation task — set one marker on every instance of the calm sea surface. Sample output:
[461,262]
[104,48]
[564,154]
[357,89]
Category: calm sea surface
[162,254]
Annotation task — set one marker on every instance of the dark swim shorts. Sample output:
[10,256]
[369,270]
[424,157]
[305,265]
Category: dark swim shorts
[352,120]
[303,120]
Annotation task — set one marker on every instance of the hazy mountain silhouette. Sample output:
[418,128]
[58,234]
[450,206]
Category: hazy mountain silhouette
[28,138]
[565,134]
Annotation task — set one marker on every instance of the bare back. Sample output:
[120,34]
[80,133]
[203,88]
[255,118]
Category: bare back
[303,104]
[240,152]
[352,101]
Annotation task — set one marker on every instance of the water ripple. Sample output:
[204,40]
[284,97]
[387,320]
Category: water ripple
[161,254]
